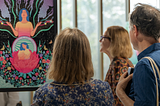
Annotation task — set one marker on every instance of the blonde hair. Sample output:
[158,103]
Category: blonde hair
[120,42]
[71,61]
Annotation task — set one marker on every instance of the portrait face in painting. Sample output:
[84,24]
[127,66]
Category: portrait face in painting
[24,46]
[24,14]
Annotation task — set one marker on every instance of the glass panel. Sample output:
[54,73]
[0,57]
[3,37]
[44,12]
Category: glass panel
[113,14]
[88,23]
[67,14]
[24,97]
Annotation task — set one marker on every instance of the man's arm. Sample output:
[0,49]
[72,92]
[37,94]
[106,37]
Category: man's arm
[120,90]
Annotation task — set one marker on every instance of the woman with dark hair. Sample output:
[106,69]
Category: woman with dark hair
[24,27]
[71,69]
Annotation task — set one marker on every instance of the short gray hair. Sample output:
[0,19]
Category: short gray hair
[147,20]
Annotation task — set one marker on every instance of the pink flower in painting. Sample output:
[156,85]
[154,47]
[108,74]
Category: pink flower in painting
[1,52]
[36,74]
[3,65]
[48,61]
[1,58]
[16,77]
[25,65]
[47,52]
[20,78]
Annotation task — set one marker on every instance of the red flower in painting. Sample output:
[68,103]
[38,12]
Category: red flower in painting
[47,52]
[4,62]
[1,58]
[43,61]
[26,65]
[36,74]
[3,66]
[48,61]
[16,77]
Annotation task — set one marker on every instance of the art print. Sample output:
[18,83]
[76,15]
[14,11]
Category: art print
[27,30]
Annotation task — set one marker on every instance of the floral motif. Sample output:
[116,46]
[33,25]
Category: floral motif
[36,76]
[94,93]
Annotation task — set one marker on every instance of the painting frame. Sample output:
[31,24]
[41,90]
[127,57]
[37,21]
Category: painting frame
[33,88]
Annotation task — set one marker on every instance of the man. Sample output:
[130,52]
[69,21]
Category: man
[144,34]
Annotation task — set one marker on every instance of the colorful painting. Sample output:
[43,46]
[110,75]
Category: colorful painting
[27,31]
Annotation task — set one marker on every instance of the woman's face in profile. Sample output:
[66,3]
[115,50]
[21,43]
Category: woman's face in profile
[24,46]
[104,43]
[24,14]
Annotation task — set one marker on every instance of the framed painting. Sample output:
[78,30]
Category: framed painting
[27,31]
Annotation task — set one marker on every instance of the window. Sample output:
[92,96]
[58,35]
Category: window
[88,23]
[113,14]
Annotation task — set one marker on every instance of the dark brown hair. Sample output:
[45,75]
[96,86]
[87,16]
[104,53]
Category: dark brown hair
[147,20]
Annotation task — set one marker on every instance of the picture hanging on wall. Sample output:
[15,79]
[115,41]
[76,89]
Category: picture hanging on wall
[27,31]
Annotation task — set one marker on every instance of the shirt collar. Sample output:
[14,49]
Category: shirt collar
[153,47]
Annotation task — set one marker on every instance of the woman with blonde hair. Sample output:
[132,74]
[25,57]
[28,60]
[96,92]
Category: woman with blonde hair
[72,71]
[116,44]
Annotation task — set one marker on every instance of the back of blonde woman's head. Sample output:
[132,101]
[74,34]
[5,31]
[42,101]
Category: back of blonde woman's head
[120,42]
[71,61]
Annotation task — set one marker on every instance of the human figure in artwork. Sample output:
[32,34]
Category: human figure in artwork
[24,52]
[26,56]
[24,27]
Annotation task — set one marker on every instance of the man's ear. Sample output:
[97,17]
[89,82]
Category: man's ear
[135,31]
[136,34]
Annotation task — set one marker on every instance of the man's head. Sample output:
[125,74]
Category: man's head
[147,20]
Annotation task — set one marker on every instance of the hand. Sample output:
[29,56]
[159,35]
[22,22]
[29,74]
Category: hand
[9,24]
[120,89]
[122,83]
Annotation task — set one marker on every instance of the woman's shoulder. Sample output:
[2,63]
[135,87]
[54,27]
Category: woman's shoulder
[99,83]
[122,61]
[43,88]
[18,23]
[29,22]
